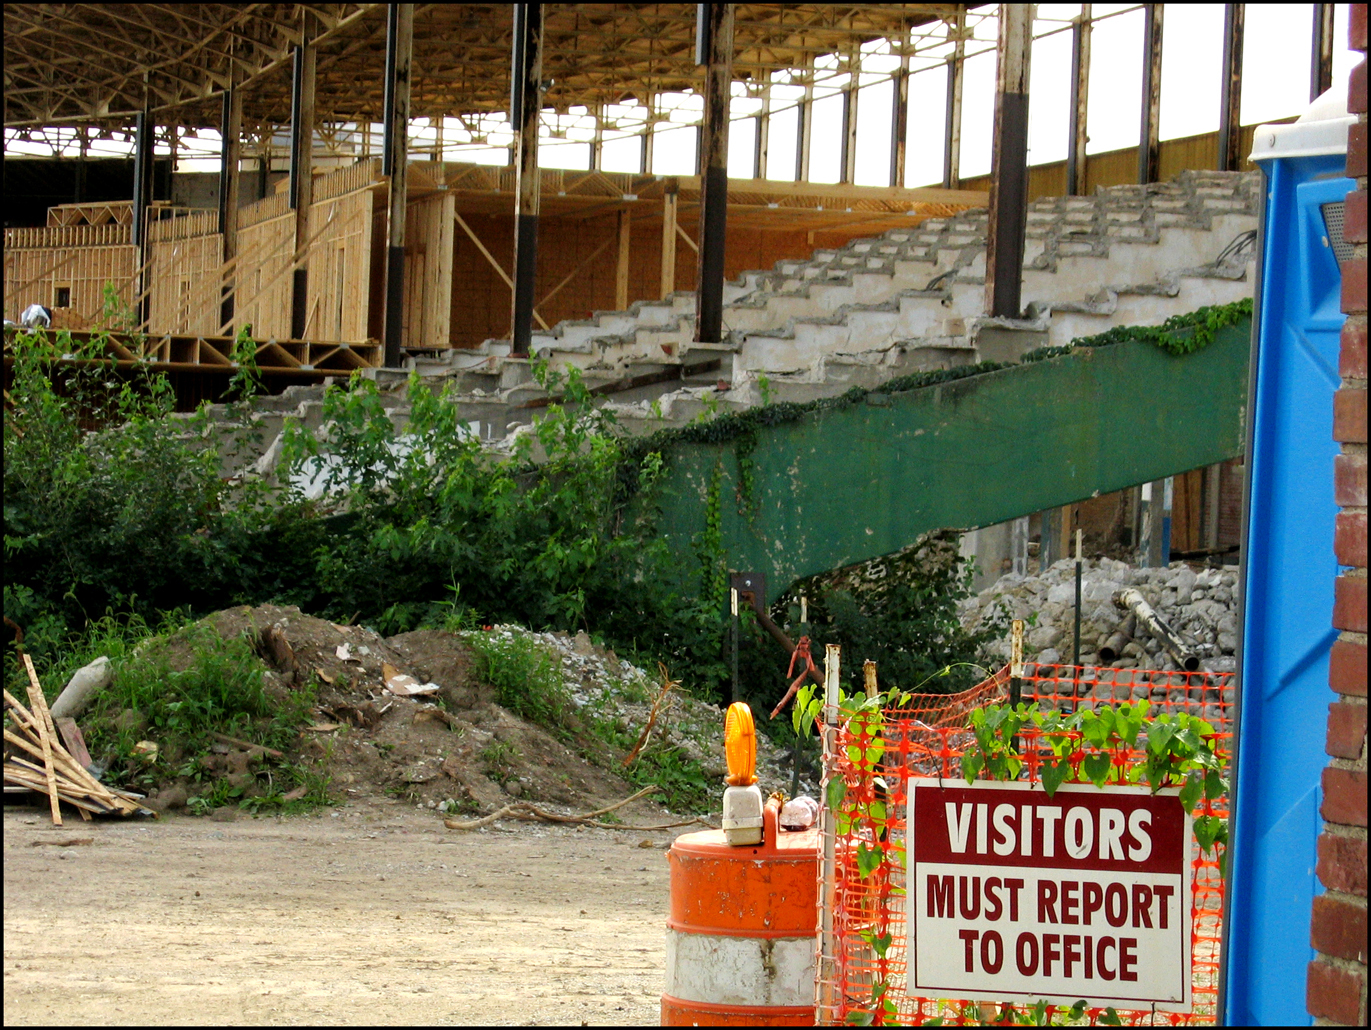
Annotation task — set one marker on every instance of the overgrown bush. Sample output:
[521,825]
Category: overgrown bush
[113,506]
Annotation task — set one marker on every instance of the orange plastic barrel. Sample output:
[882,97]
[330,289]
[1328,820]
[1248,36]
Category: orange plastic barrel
[740,935]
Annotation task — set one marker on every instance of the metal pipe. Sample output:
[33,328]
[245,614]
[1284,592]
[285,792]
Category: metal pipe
[1122,636]
[777,634]
[1182,653]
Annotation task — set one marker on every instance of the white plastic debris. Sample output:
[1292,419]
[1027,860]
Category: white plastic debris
[799,813]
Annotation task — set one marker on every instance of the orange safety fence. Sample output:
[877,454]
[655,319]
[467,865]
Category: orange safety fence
[926,737]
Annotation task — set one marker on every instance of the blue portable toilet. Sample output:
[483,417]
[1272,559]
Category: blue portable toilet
[1288,568]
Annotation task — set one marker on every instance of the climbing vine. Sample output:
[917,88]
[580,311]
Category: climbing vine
[1179,335]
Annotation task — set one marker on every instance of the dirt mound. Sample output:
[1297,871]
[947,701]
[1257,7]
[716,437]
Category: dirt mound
[455,748]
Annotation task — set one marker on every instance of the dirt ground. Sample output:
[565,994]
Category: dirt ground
[371,913]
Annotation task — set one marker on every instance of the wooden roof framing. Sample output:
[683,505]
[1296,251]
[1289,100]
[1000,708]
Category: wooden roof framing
[87,63]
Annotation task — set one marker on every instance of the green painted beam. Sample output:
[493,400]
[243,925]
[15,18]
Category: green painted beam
[861,480]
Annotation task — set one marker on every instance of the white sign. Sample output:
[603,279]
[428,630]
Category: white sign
[1015,896]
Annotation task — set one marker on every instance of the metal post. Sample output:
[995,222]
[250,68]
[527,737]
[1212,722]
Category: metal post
[1080,95]
[828,835]
[144,131]
[1015,663]
[1321,60]
[733,640]
[847,163]
[526,102]
[804,126]
[952,123]
[301,177]
[1230,88]
[229,159]
[761,153]
[715,21]
[597,143]
[646,156]
[399,51]
[899,123]
[1149,133]
[1009,164]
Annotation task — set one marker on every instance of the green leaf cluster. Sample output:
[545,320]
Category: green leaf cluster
[1170,749]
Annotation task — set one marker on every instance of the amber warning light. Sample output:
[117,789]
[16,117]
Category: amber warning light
[742,822]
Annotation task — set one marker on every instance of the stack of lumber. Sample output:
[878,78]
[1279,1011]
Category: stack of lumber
[36,760]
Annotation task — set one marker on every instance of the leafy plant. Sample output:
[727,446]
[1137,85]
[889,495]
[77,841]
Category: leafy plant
[526,676]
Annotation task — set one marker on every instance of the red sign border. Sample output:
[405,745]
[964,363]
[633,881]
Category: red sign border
[912,989]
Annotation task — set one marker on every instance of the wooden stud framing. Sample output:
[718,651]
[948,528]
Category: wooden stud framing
[622,269]
[669,200]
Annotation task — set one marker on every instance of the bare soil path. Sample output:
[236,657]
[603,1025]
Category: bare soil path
[368,914]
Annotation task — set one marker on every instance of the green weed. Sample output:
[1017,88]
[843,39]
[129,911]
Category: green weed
[526,677]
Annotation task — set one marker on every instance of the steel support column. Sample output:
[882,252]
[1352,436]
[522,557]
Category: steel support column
[1321,60]
[230,156]
[144,130]
[804,124]
[761,154]
[395,151]
[715,46]
[1149,132]
[526,87]
[646,158]
[952,120]
[1009,164]
[1230,88]
[301,177]
[847,163]
[899,123]
[1080,101]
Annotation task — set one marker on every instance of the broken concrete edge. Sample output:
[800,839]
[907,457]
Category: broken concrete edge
[1179,336]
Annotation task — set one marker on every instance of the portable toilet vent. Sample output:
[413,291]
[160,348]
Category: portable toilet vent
[1288,567]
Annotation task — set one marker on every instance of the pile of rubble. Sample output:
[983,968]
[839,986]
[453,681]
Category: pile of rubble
[1199,604]
[603,685]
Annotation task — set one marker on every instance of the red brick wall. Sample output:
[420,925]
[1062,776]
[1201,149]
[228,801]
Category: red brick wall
[1336,986]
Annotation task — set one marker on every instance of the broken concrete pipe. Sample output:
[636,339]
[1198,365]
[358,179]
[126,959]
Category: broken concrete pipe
[87,681]
[1113,647]
[1182,652]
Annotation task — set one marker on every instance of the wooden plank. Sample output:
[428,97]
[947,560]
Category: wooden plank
[621,271]
[41,717]
[576,271]
[668,286]
[75,742]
